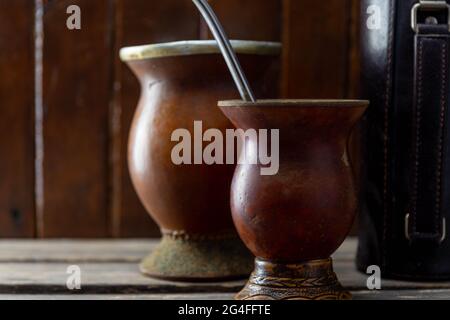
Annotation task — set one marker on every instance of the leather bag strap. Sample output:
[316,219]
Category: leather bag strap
[425,221]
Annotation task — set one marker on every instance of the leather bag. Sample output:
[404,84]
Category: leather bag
[405,207]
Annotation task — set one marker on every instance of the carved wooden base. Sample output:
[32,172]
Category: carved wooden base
[312,280]
[187,257]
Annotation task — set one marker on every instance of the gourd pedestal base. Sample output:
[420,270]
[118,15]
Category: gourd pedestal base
[311,280]
[198,258]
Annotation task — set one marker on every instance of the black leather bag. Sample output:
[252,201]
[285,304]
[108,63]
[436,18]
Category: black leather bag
[406,171]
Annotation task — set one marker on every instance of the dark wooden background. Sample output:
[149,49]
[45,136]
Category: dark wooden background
[66,101]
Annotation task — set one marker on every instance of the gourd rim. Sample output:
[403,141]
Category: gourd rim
[196,47]
[295,103]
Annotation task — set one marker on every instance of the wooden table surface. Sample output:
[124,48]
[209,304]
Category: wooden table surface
[37,269]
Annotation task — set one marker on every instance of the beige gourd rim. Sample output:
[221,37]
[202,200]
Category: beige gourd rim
[195,47]
[295,103]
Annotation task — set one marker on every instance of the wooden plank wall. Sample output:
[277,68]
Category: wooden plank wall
[318,48]
[67,102]
[17,218]
[76,94]
[249,19]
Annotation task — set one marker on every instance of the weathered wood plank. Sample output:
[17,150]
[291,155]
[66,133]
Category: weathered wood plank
[402,295]
[75,251]
[139,22]
[359,295]
[248,19]
[96,278]
[101,250]
[355,280]
[189,297]
[77,73]
[316,48]
[354,59]
[123,280]
[111,268]
[16,119]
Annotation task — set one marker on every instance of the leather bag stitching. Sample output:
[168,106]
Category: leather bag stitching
[418,135]
[386,220]
[441,136]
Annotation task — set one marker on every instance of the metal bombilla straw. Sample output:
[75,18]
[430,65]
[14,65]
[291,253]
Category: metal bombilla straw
[227,50]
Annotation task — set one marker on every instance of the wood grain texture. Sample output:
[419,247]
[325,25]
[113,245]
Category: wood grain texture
[316,37]
[402,295]
[248,19]
[49,251]
[176,296]
[131,250]
[123,278]
[357,295]
[354,54]
[352,87]
[139,22]
[114,275]
[76,95]
[16,119]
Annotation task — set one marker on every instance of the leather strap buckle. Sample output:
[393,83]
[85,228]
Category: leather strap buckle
[427,5]
[408,234]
